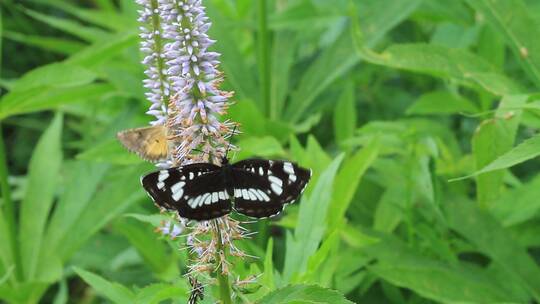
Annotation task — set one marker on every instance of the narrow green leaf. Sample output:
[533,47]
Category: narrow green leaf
[311,223]
[520,30]
[283,51]
[101,51]
[53,44]
[119,190]
[347,181]
[442,102]
[109,19]
[55,75]
[39,99]
[112,291]
[43,172]
[345,114]
[86,33]
[482,230]
[304,294]
[527,150]
[233,61]
[82,181]
[62,294]
[267,278]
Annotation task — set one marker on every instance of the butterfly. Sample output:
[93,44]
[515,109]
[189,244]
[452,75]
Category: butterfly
[258,188]
[150,143]
[197,291]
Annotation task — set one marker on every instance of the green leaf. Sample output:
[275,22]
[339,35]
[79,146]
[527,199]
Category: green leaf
[268,276]
[86,33]
[345,114]
[335,61]
[527,150]
[157,293]
[101,51]
[111,152]
[39,99]
[81,183]
[304,294]
[442,102]
[283,54]
[115,292]
[233,61]
[55,75]
[482,230]
[260,146]
[43,175]
[151,249]
[311,223]
[445,283]
[518,205]
[53,44]
[520,30]
[119,189]
[459,65]
[493,138]
[347,181]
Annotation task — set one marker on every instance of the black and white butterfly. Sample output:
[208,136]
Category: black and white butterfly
[197,291]
[203,191]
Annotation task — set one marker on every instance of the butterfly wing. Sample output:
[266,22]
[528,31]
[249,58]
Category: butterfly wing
[149,143]
[196,191]
[263,187]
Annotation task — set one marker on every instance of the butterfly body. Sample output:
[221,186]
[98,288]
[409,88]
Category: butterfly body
[203,191]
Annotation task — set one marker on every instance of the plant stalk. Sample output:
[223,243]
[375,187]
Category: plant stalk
[264,60]
[223,278]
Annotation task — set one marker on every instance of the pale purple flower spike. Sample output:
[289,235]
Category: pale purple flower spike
[157,83]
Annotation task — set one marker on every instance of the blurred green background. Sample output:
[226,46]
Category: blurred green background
[388,101]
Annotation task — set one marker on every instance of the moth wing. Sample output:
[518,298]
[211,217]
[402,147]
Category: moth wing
[149,143]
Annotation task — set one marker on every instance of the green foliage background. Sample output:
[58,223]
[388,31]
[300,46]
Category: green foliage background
[390,102]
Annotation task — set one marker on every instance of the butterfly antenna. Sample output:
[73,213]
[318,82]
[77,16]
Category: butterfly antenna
[230,139]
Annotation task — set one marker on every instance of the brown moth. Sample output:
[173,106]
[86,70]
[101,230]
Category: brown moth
[149,143]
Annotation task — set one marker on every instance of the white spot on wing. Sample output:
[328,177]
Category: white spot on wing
[208,199]
[245,194]
[215,197]
[276,188]
[292,178]
[191,175]
[261,171]
[163,175]
[288,168]
[264,196]
[221,195]
[257,194]
[252,196]
[237,193]
[275,180]
[160,185]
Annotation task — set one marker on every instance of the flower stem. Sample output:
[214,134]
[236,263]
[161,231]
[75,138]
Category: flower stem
[223,278]
[264,60]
